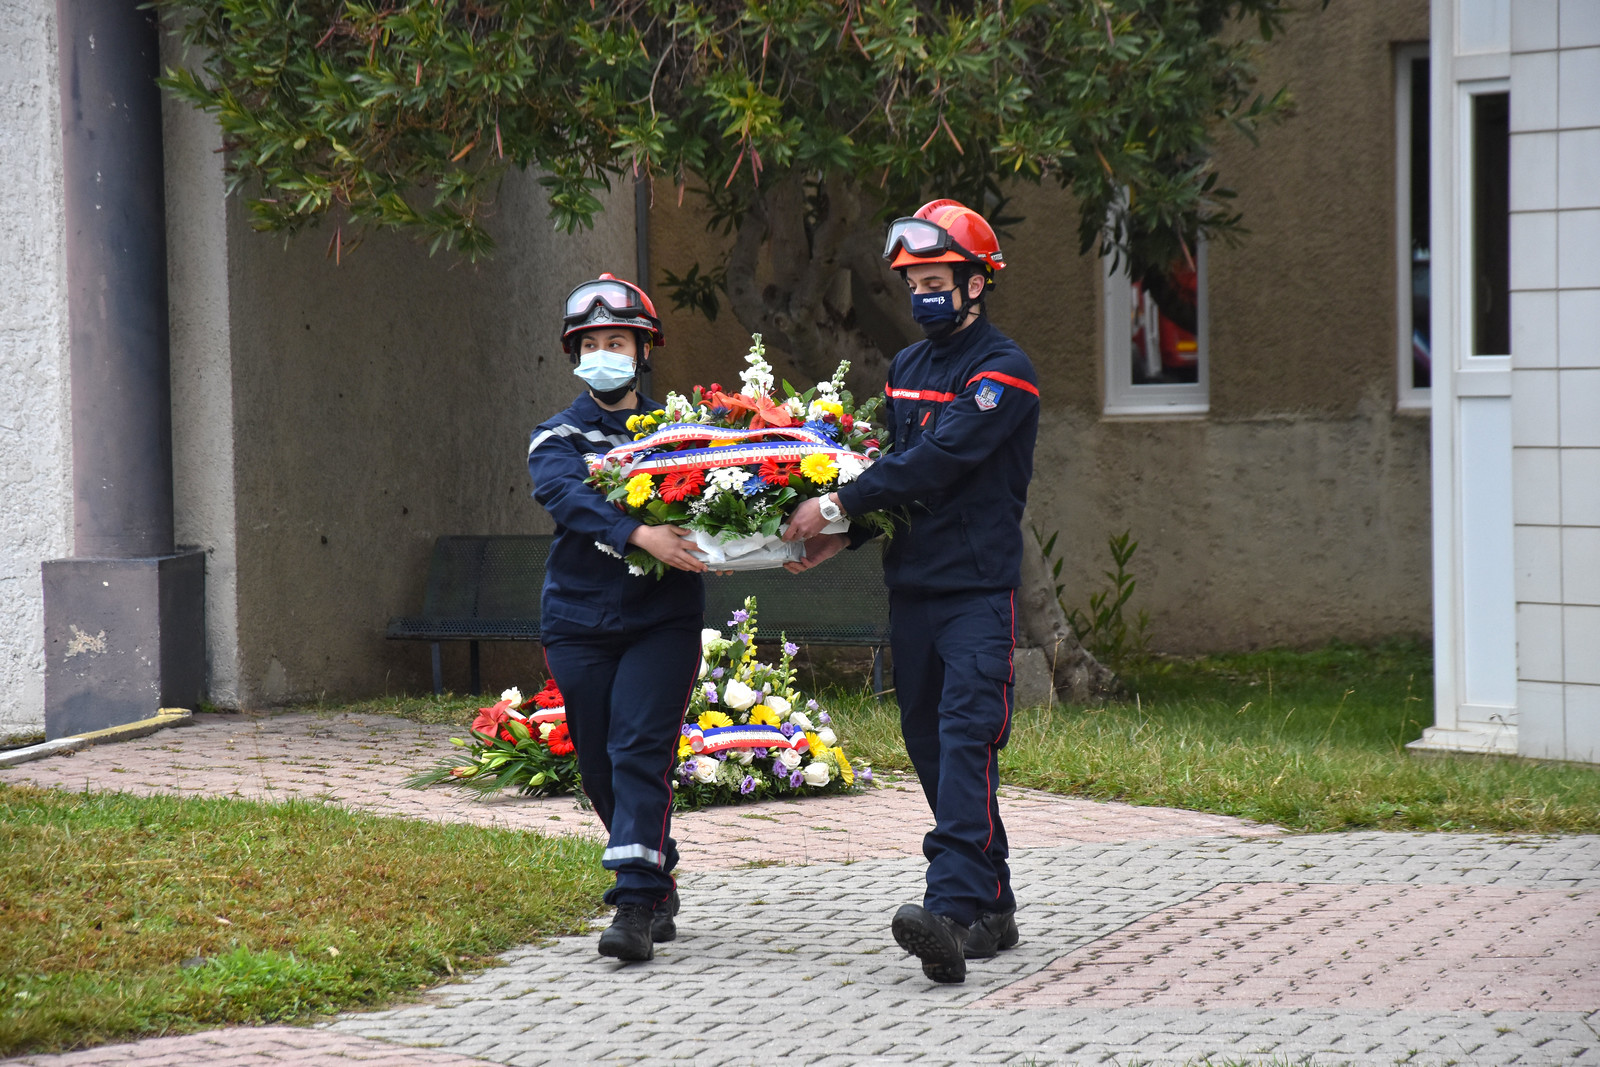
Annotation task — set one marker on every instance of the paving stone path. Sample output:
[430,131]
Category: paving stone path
[1149,935]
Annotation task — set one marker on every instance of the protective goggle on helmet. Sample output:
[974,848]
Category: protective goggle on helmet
[943,231]
[609,301]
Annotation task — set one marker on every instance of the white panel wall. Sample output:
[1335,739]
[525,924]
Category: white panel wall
[35,436]
[1555,193]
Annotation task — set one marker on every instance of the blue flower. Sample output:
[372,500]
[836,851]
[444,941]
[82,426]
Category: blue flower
[828,430]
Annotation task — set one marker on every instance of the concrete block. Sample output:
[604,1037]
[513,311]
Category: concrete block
[123,638]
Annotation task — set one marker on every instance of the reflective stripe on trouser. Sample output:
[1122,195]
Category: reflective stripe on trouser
[953,679]
[626,694]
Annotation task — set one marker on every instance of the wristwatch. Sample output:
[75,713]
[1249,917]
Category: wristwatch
[830,508]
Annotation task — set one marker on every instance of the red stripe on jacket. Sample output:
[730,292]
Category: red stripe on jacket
[1005,379]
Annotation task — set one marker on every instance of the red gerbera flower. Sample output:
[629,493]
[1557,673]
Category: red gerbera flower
[682,485]
[549,696]
[560,741]
[775,473]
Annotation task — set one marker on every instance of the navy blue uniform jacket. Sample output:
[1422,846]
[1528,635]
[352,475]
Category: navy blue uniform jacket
[587,591]
[963,414]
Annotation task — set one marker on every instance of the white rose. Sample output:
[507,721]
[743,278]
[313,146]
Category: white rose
[738,696]
[789,758]
[705,668]
[800,719]
[827,736]
[705,769]
[709,635]
[779,706]
[817,773]
[514,695]
[742,755]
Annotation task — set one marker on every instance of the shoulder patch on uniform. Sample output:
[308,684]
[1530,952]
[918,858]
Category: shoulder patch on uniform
[988,394]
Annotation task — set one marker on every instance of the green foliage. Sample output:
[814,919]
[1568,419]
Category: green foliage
[130,915]
[1306,740]
[407,114]
[1102,629]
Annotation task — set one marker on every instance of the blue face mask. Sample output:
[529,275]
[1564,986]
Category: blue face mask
[936,313]
[605,372]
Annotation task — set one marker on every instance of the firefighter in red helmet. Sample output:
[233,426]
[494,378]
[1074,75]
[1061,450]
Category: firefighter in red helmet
[963,413]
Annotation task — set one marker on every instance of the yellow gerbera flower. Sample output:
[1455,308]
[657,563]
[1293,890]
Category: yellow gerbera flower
[684,748]
[820,468]
[710,720]
[640,489]
[846,772]
[761,715]
[815,746]
[832,407]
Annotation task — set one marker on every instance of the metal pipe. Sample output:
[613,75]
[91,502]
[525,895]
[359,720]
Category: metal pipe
[116,253]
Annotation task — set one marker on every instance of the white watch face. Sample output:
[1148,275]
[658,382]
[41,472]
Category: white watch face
[830,510]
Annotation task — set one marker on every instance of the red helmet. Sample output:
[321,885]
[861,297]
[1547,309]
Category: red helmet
[943,231]
[609,301]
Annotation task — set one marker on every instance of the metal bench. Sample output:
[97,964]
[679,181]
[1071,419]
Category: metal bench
[487,589]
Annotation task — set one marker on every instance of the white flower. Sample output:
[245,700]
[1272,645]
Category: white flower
[757,378]
[608,550]
[513,694]
[727,479]
[709,635]
[827,736]
[801,720]
[677,407]
[850,468]
[705,668]
[738,696]
[637,572]
[789,758]
[817,773]
[742,755]
[705,769]
[779,706]
[545,729]
[795,407]
[863,426]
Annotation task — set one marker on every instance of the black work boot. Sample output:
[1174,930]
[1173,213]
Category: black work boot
[662,928]
[628,936]
[937,940]
[993,931]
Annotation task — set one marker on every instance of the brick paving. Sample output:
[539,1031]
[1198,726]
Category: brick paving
[1149,936]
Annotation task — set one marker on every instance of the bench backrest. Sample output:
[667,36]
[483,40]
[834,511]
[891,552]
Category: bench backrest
[498,578]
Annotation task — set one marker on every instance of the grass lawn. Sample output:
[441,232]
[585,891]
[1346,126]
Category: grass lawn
[132,916]
[1307,740]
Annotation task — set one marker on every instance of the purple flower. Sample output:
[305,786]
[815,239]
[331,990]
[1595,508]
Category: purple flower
[787,729]
[796,780]
[865,774]
[824,718]
[686,729]
[711,693]
[790,648]
[747,786]
[723,756]
[718,672]
[758,753]
[739,616]
[811,705]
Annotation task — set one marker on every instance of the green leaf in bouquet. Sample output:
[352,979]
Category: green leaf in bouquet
[659,509]
[769,526]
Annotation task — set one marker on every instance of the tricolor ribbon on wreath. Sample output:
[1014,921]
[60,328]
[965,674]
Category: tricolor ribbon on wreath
[721,738]
[731,448]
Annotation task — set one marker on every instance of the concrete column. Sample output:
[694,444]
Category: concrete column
[123,617]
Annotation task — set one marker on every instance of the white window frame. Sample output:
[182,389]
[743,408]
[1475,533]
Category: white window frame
[1409,397]
[1125,400]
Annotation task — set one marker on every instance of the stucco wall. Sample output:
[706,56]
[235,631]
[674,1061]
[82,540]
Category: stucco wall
[1297,511]
[35,436]
[377,404]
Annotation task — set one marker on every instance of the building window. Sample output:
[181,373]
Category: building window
[1156,349]
[1490,248]
[1413,310]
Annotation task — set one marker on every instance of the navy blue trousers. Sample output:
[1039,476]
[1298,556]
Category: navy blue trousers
[626,695]
[953,679]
